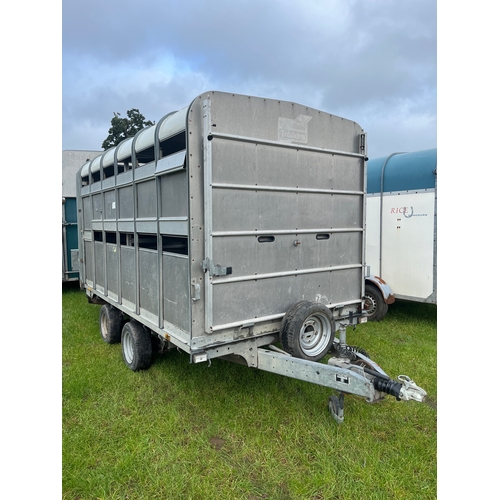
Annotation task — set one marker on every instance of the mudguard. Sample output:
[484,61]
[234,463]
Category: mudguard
[384,288]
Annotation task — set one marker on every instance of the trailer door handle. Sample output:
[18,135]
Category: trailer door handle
[196,292]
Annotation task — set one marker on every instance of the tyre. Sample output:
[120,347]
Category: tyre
[307,331]
[110,320]
[375,306]
[137,347]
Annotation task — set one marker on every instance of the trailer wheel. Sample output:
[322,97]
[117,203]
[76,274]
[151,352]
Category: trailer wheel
[307,331]
[375,306]
[137,347]
[110,320]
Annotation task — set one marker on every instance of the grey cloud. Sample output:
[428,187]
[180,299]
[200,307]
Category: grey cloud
[353,57]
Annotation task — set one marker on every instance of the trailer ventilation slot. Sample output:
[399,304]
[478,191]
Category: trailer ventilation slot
[111,237]
[146,156]
[266,239]
[175,244]
[323,236]
[147,241]
[109,171]
[173,144]
[125,165]
[127,239]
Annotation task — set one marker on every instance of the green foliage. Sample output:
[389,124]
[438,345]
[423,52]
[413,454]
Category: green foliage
[121,128]
[225,431]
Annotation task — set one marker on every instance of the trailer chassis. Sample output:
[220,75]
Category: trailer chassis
[348,371]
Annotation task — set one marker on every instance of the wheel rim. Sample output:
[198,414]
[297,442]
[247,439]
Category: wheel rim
[128,346]
[104,326]
[370,304]
[315,334]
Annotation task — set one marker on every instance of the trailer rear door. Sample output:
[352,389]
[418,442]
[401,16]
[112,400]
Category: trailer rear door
[283,218]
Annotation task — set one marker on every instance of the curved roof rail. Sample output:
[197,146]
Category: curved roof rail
[168,126]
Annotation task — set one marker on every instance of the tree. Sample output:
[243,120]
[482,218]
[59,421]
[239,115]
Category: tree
[121,128]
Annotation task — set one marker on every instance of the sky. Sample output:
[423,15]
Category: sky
[373,62]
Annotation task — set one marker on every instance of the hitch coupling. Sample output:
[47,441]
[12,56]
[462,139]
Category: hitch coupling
[405,389]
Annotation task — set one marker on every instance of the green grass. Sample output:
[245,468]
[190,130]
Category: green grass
[226,431]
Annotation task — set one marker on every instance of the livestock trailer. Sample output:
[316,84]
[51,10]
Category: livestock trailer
[401,228]
[234,228]
[72,161]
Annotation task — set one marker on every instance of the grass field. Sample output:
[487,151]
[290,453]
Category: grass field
[226,431]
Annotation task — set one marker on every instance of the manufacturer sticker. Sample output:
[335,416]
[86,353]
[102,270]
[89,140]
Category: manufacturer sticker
[406,211]
[293,130]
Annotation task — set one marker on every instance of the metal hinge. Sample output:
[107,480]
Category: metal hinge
[362,144]
[216,269]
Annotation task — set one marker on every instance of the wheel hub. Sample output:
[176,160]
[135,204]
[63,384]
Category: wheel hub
[370,304]
[314,334]
[128,347]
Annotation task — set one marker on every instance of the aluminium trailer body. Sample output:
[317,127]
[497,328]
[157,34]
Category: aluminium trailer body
[401,225]
[228,226]
[72,160]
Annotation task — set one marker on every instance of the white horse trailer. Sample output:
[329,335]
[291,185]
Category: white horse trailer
[230,226]
[401,229]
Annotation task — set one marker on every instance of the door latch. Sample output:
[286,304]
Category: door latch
[216,269]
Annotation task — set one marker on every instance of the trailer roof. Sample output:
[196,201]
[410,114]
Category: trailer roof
[402,171]
[169,125]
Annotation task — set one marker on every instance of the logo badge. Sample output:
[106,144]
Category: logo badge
[293,130]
